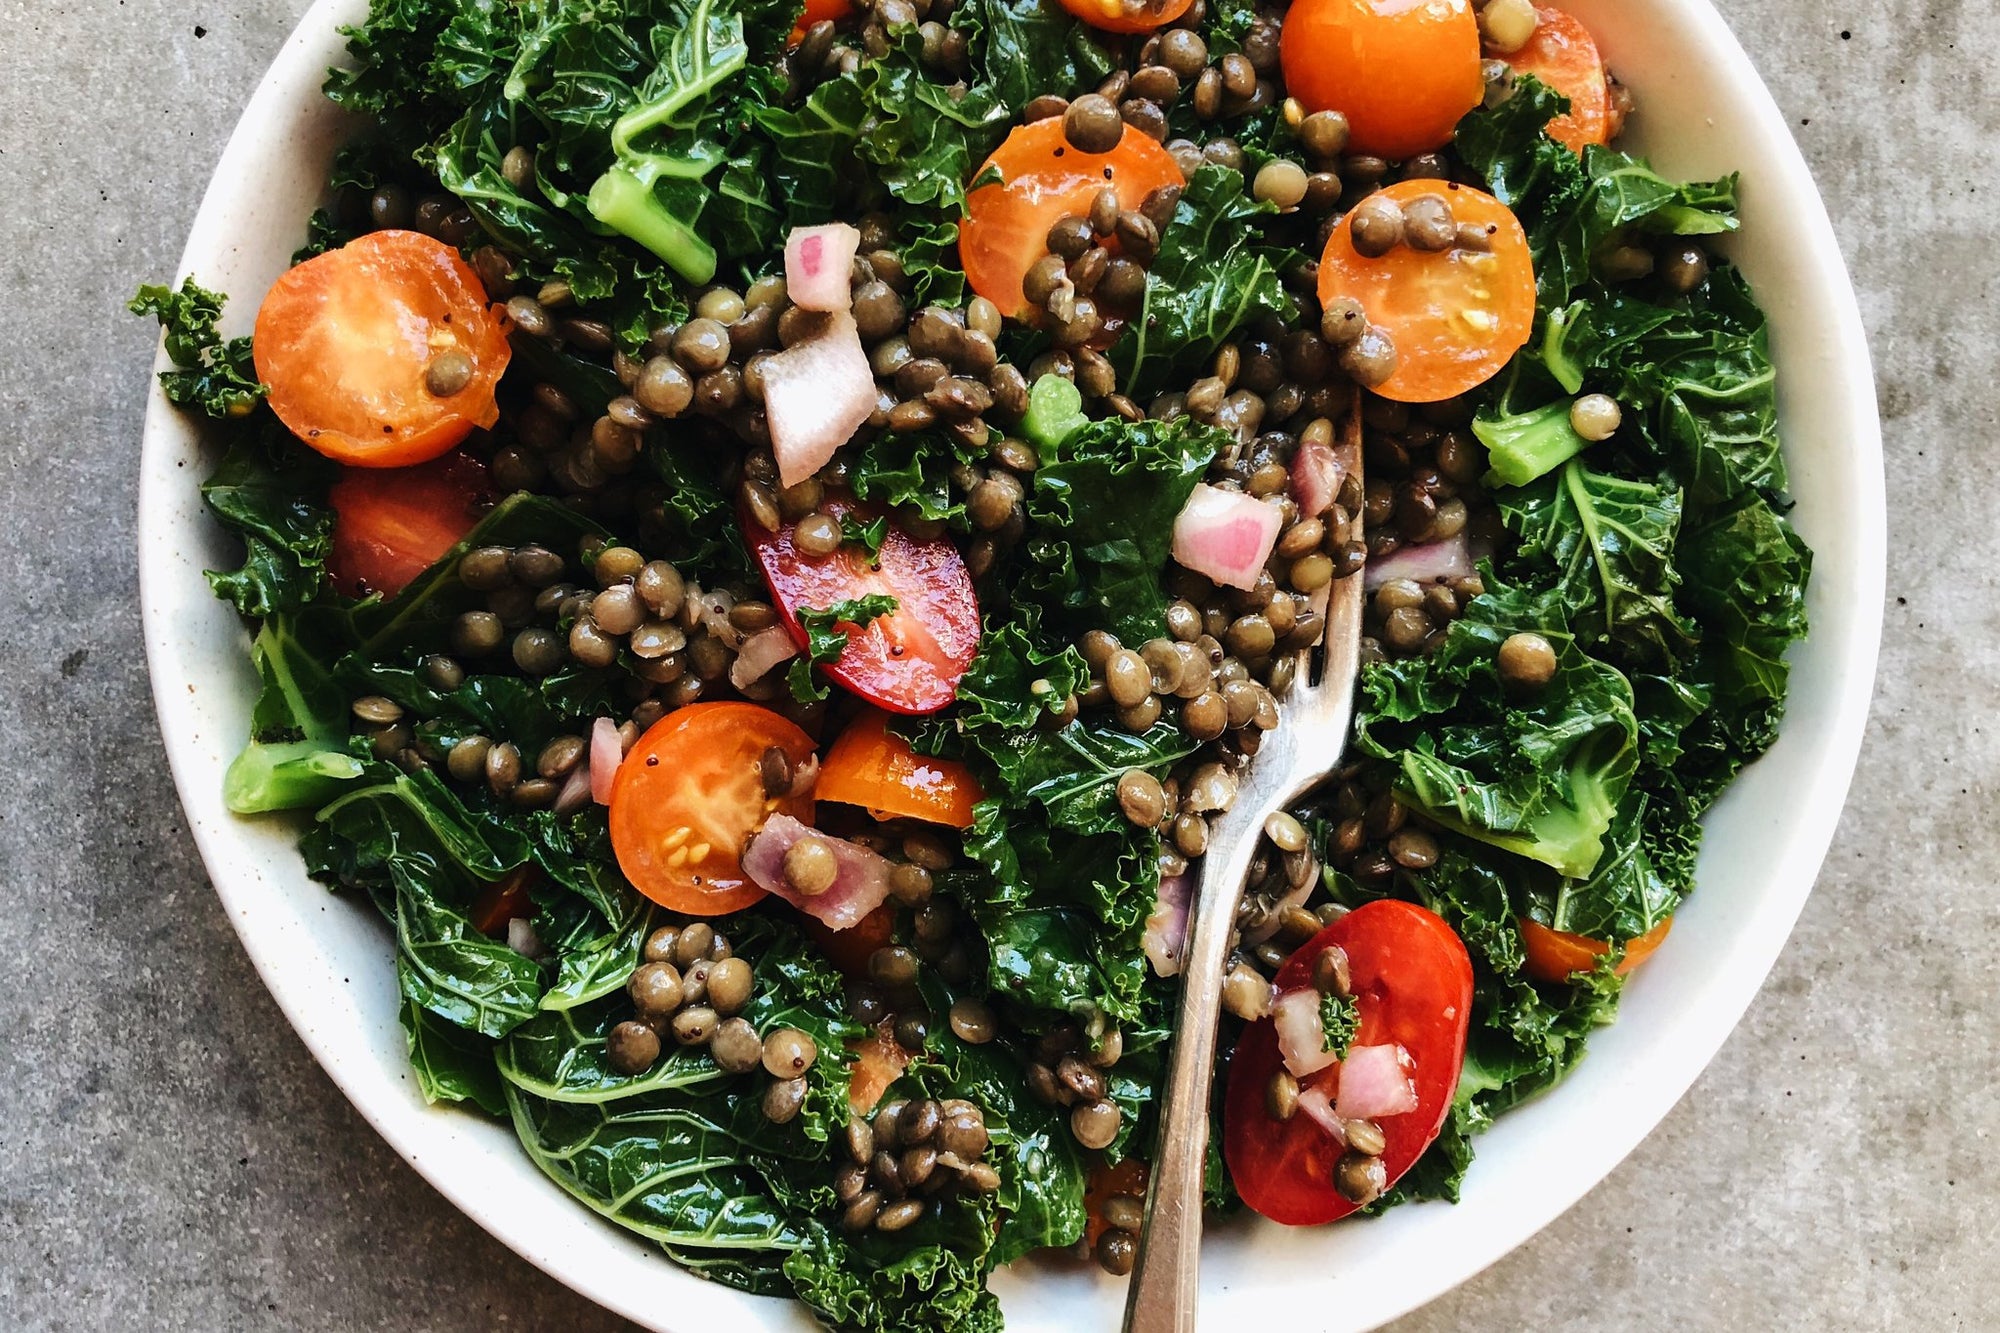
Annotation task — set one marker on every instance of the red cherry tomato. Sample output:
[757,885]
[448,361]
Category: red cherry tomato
[347,341]
[1042,181]
[1401,71]
[503,900]
[908,661]
[1553,955]
[1127,16]
[816,11]
[1413,985]
[689,795]
[391,524]
[1563,55]
[872,767]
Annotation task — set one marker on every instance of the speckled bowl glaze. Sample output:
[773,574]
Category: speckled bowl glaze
[1703,111]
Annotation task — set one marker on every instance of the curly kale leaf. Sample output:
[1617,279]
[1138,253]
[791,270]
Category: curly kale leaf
[1101,519]
[826,639]
[212,375]
[1607,545]
[1539,776]
[1214,274]
[268,490]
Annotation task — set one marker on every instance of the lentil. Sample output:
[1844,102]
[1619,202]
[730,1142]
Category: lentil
[1428,224]
[1375,226]
[788,1053]
[632,1047]
[1595,416]
[1281,1096]
[1360,1179]
[1092,124]
[810,866]
[1332,974]
[783,1099]
[1281,183]
[1365,1137]
[1683,268]
[1507,25]
[1095,1124]
[1117,1251]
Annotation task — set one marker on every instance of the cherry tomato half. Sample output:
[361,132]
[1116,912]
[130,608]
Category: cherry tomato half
[1401,71]
[1563,55]
[1413,986]
[391,524]
[1042,181]
[872,767]
[908,661]
[818,11]
[1456,315]
[1553,955]
[689,795]
[879,1060]
[347,342]
[1102,1185]
[1127,16]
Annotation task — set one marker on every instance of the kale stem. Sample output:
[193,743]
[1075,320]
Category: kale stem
[622,199]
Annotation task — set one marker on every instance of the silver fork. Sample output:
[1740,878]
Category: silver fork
[1307,743]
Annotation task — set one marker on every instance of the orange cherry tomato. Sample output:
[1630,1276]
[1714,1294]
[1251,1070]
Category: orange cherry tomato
[1456,315]
[818,11]
[1127,15]
[1043,180]
[1128,1177]
[1553,955]
[879,1060]
[871,766]
[1401,71]
[391,524]
[345,339]
[690,794]
[1563,55]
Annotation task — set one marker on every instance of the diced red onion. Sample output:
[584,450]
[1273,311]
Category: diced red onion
[860,882]
[575,791]
[1318,1107]
[1447,559]
[714,608]
[816,393]
[1301,1036]
[759,653]
[607,751]
[819,262]
[1226,535]
[1165,940]
[1316,478]
[1375,1082]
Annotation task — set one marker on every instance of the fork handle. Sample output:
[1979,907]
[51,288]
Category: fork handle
[1166,1281]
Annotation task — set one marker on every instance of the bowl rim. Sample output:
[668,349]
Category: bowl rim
[434,1149]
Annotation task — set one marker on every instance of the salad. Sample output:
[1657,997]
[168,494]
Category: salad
[769,535]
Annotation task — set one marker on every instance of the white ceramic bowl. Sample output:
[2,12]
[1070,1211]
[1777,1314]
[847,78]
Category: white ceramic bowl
[1703,112]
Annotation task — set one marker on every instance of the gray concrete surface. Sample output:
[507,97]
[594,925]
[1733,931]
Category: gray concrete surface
[170,1158]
